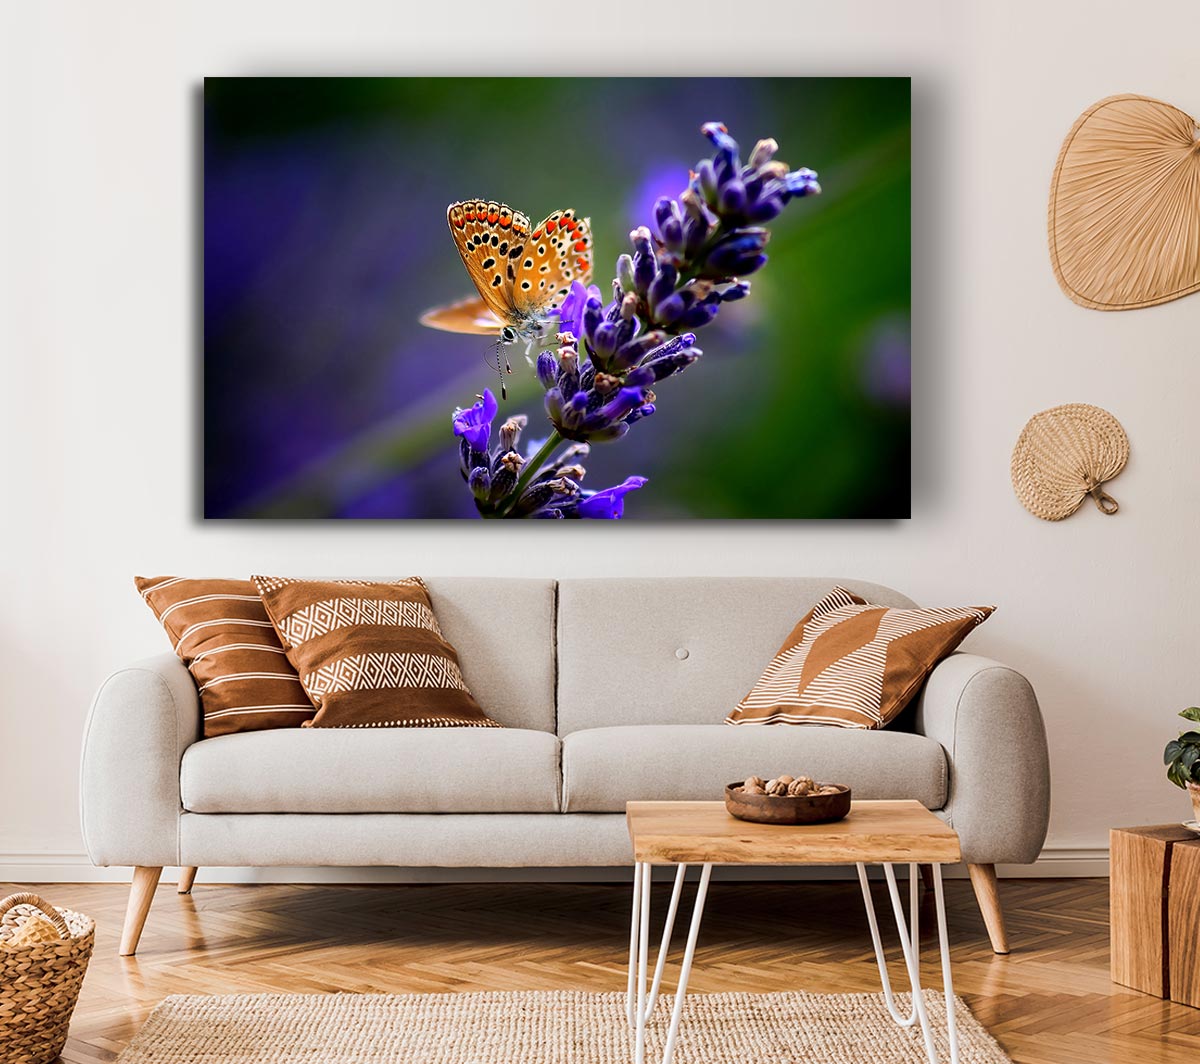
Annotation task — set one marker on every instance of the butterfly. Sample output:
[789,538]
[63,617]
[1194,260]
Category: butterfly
[521,273]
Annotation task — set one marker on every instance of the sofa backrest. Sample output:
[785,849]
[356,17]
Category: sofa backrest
[676,650]
[503,630]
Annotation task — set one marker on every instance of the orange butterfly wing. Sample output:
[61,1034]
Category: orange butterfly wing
[557,252]
[470,315]
[489,237]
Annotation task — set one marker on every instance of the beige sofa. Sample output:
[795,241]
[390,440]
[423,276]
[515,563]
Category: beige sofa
[610,690]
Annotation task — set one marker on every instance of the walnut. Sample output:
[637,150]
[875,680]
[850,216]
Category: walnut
[776,787]
[786,779]
[752,782]
[799,788]
[829,789]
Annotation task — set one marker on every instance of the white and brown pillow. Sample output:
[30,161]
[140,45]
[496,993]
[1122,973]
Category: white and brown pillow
[370,655]
[222,633]
[854,665]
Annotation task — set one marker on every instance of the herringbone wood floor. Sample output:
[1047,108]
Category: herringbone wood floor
[1049,1002]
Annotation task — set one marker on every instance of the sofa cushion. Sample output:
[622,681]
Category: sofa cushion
[377,770]
[603,768]
[698,643]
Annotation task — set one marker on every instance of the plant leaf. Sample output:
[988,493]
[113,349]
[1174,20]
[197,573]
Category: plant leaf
[1191,713]
[1189,757]
[1173,750]
[1190,737]
[1175,775]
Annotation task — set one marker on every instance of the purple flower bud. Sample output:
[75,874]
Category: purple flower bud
[663,285]
[645,410]
[706,181]
[579,401]
[665,209]
[604,342]
[722,141]
[672,232]
[643,240]
[622,403]
[763,210]
[732,198]
[553,404]
[803,182]
[625,273]
[480,483]
[547,369]
[593,314]
[609,433]
[631,353]
[669,310]
[735,292]
[670,364]
[642,377]
[732,254]
[698,316]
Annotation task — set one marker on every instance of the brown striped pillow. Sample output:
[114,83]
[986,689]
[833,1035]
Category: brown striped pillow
[370,655]
[222,633]
[854,665]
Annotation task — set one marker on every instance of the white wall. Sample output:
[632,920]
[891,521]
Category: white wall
[100,428]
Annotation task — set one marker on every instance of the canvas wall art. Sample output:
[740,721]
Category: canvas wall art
[556,298]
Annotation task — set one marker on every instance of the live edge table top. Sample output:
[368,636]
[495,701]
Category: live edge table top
[705,833]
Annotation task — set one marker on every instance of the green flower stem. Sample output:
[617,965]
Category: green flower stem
[553,441]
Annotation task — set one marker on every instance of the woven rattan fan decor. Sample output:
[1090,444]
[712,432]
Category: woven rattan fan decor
[1065,454]
[1124,214]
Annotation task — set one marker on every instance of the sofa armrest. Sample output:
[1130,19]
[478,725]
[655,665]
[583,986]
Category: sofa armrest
[987,719]
[141,721]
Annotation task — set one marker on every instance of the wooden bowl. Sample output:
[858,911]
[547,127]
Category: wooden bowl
[769,809]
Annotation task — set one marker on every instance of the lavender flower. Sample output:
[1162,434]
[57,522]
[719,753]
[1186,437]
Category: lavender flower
[598,382]
[608,504]
[474,424]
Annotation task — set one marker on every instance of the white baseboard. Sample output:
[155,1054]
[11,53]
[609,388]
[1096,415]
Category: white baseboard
[1065,863]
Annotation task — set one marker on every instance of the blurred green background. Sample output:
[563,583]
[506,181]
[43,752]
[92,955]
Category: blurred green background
[325,238]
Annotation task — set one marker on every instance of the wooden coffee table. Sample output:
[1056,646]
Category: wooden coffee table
[703,833]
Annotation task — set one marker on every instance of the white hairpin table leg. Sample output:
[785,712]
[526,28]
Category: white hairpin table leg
[912,962]
[880,959]
[686,968]
[639,1006]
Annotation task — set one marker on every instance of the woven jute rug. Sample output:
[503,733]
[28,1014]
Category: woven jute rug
[553,1027]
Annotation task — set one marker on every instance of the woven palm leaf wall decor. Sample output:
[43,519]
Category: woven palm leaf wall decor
[1124,216]
[1065,454]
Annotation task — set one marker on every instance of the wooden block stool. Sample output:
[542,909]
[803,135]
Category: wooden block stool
[1155,911]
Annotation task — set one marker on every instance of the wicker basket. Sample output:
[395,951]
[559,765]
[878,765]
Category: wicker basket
[40,981]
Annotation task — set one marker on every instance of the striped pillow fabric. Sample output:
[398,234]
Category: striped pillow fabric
[221,631]
[370,655]
[854,665]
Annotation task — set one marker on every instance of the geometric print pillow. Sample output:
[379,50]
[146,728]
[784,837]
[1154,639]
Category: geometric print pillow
[853,665]
[370,655]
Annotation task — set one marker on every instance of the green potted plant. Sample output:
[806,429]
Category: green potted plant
[1182,758]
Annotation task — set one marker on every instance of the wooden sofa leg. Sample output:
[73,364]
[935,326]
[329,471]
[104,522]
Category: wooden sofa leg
[141,894]
[983,879]
[187,876]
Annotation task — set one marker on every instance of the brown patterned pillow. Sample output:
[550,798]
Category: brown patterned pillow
[370,655]
[222,633]
[854,665]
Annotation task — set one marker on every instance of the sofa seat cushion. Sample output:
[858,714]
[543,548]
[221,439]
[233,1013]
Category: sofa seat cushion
[377,770]
[603,768]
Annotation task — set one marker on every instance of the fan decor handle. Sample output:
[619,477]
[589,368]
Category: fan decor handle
[1105,503]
